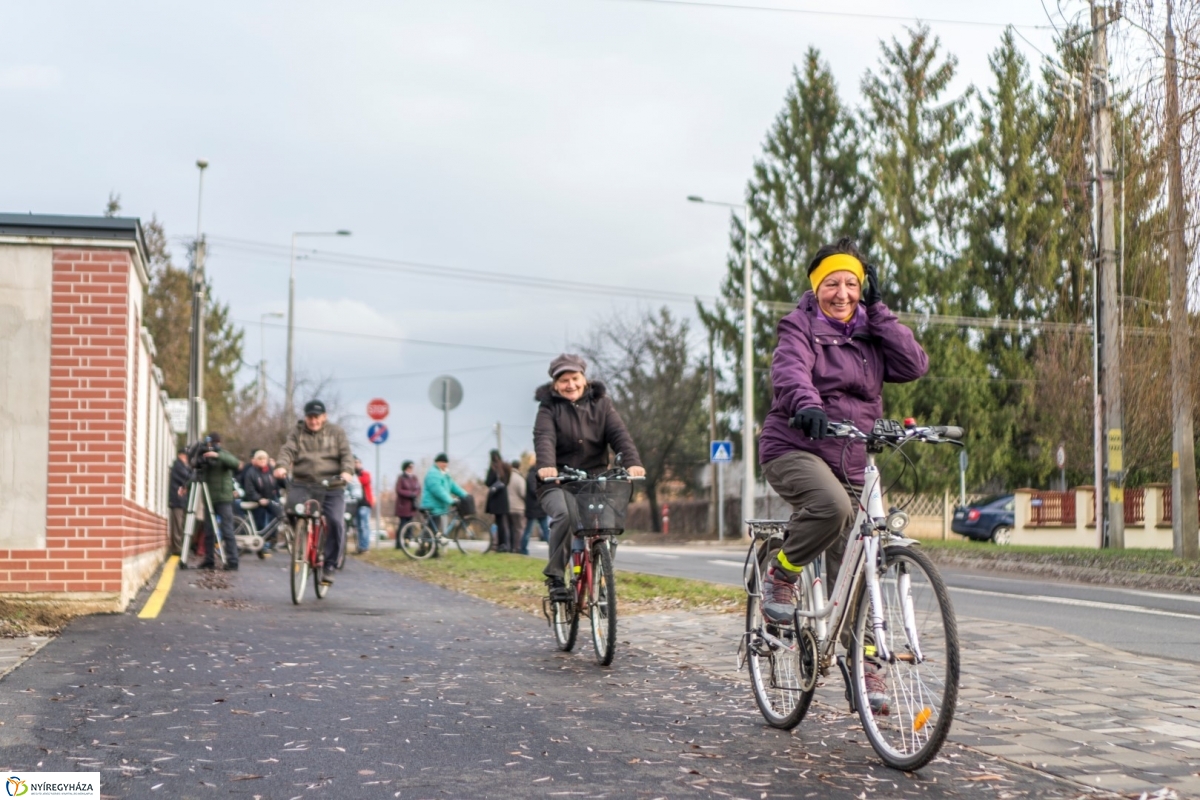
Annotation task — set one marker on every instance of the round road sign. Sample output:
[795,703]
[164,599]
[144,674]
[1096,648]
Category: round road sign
[377,433]
[377,409]
[1060,457]
[445,393]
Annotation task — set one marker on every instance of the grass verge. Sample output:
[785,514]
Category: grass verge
[516,582]
[1146,562]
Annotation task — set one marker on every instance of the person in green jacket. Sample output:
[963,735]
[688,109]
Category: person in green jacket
[221,466]
[439,491]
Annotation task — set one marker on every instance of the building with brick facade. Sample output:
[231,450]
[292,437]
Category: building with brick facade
[85,442]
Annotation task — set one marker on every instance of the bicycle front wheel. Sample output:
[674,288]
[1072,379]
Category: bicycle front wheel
[299,560]
[774,656]
[416,540]
[602,602]
[317,559]
[474,529]
[907,703]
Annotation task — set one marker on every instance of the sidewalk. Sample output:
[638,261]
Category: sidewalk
[1063,705]
[13,652]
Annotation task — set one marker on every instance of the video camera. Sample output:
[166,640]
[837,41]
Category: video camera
[195,455]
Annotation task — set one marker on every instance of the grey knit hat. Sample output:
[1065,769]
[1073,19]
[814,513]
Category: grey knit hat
[567,362]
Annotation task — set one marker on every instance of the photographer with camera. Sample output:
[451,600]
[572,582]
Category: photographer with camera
[217,466]
[316,451]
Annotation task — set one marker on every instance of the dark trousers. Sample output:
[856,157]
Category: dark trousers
[563,512]
[530,522]
[400,523]
[177,518]
[822,511]
[504,533]
[228,541]
[334,509]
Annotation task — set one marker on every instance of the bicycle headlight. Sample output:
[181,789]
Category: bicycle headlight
[299,509]
[897,521]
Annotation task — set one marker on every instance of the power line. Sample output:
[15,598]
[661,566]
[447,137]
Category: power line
[443,271]
[845,14]
[382,337]
[479,368]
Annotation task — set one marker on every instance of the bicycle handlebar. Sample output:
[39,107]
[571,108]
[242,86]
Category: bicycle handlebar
[570,474]
[888,431]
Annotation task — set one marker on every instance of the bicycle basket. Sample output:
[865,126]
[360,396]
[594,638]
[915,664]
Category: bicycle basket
[602,504]
[304,500]
[465,505]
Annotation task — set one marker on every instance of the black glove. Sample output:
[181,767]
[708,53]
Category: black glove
[812,421]
[871,294]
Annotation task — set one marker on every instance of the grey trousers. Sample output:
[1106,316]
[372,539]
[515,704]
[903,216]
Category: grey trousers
[562,510]
[822,511]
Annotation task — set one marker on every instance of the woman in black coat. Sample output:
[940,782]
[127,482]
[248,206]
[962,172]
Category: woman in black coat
[497,479]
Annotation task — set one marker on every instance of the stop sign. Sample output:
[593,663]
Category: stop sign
[377,408]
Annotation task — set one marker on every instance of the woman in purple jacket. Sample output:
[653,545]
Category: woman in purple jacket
[835,351]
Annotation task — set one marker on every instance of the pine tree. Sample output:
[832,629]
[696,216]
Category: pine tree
[807,190]
[167,315]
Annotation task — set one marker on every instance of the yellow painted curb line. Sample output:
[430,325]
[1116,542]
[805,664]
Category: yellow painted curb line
[155,603]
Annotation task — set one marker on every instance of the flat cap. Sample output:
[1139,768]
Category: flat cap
[567,362]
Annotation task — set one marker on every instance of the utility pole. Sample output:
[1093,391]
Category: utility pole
[1184,523]
[196,351]
[714,497]
[1108,303]
[499,439]
[748,492]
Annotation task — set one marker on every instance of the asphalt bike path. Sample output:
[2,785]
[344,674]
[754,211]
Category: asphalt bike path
[395,688]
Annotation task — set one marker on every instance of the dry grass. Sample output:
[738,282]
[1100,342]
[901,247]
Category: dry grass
[516,582]
[44,618]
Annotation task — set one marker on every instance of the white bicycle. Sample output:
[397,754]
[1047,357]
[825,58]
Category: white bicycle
[890,611]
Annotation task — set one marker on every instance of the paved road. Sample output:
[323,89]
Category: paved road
[1149,623]
[394,688]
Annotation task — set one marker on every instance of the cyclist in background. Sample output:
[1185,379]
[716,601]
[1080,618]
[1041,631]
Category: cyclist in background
[835,351]
[575,427]
[318,450]
[261,488]
[439,491]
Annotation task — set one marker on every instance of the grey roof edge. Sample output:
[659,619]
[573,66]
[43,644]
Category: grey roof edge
[73,227]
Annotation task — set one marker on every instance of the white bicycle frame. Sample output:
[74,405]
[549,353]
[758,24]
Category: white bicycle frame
[861,557]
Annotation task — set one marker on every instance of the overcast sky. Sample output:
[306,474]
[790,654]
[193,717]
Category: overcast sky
[545,138]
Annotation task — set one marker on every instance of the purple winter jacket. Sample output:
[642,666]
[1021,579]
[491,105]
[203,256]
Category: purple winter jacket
[817,365]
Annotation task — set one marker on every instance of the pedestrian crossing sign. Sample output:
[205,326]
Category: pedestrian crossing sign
[720,452]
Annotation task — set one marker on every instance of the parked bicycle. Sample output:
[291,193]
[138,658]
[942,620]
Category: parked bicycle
[420,539]
[249,538]
[890,611]
[305,536]
[601,503]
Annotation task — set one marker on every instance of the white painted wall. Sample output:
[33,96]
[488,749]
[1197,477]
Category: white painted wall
[25,286]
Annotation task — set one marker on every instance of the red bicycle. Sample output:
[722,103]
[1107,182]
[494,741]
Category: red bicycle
[306,538]
[601,504]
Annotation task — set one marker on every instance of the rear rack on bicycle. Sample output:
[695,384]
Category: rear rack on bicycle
[767,528]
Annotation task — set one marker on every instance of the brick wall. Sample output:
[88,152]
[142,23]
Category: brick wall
[94,529]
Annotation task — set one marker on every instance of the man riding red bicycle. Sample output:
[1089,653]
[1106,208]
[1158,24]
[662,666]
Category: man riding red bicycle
[317,451]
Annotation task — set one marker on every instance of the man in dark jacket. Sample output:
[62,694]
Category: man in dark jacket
[318,450]
[181,478]
[534,515]
[261,488]
[221,467]
[575,427]
[408,497]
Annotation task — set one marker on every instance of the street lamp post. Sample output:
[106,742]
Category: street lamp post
[290,387]
[196,351]
[748,489]
[262,354]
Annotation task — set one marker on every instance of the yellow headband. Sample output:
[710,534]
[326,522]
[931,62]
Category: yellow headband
[838,262]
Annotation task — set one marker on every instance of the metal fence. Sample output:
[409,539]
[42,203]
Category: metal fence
[1049,509]
[1135,506]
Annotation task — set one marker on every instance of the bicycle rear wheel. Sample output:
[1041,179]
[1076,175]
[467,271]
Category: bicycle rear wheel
[602,602]
[776,657]
[916,692]
[474,529]
[299,560]
[317,559]
[416,540]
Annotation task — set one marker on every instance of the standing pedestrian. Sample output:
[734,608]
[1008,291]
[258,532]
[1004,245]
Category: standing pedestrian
[408,497]
[181,478]
[497,479]
[364,508]
[535,516]
[262,488]
[221,467]
[516,506]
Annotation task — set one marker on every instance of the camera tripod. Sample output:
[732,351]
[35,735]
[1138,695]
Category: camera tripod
[197,494]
